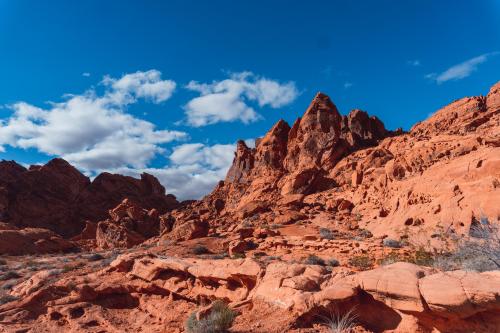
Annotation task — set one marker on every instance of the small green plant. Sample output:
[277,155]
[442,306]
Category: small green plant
[200,249]
[361,262]
[326,233]
[219,320]
[314,260]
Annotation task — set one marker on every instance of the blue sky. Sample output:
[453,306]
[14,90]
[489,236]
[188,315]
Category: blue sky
[168,87]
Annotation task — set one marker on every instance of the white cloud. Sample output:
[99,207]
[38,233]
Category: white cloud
[414,63]
[196,169]
[347,85]
[461,70]
[91,131]
[228,100]
[148,85]
[86,74]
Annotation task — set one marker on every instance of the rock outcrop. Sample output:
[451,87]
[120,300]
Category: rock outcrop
[32,241]
[437,178]
[58,197]
[400,297]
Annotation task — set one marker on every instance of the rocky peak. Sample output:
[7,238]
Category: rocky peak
[272,148]
[313,137]
[10,171]
[493,98]
[361,130]
[242,163]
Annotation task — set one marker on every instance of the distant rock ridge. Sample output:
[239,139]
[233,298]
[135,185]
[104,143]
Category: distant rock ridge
[58,197]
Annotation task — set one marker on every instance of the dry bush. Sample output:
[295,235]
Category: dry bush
[342,322]
[219,320]
[478,252]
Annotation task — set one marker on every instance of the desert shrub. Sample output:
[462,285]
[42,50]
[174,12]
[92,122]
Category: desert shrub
[365,233]
[55,271]
[238,255]
[390,258]
[95,257]
[7,299]
[200,249]
[479,252]
[3,262]
[9,275]
[9,285]
[342,322]
[219,320]
[314,260]
[219,256]
[332,262]
[391,243]
[272,258]
[361,262]
[483,247]
[67,268]
[423,257]
[326,233]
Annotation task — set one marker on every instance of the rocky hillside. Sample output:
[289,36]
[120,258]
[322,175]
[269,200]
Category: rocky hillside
[332,220]
[440,176]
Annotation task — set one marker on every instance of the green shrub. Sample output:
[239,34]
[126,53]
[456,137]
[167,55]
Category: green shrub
[219,320]
[238,255]
[332,262]
[423,258]
[9,275]
[361,262]
[314,260]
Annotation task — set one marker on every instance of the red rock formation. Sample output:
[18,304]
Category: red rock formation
[58,197]
[387,177]
[128,225]
[32,241]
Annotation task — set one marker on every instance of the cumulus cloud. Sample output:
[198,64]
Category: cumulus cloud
[228,100]
[92,131]
[462,70]
[194,171]
[148,85]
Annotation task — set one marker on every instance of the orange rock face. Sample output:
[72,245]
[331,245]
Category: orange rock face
[332,215]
